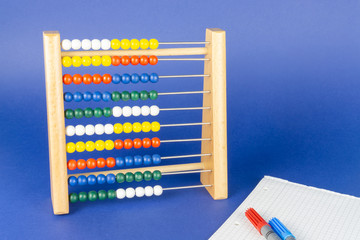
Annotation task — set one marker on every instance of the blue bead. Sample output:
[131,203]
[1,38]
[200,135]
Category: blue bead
[73,181]
[78,97]
[106,96]
[120,162]
[68,97]
[138,160]
[110,178]
[91,179]
[147,160]
[97,96]
[82,180]
[135,78]
[101,179]
[154,78]
[116,78]
[87,96]
[144,77]
[129,161]
[156,159]
[126,78]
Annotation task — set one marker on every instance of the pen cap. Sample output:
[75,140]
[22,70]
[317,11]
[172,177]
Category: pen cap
[255,219]
[281,230]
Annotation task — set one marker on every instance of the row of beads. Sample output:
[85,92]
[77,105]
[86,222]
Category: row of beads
[111,178]
[114,96]
[120,194]
[100,129]
[115,112]
[106,61]
[100,145]
[106,44]
[111,162]
[107,78]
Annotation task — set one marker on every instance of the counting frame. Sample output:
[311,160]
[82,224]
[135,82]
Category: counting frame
[213,165]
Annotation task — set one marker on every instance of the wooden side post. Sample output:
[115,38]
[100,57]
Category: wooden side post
[216,84]
[56,122]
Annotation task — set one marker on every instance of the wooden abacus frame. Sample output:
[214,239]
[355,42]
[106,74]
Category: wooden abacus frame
[215,82]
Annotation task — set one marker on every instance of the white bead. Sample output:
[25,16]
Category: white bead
[79,130]
[99,129]
[105,44]
[109,128]
[126,111]
[70,131]
[66,44]
[86,44]
[136,111]
[139,191]
[158,190]
[149,191]
[117,111]
[95,44]
[89,129]
[130,192]
[76,44]
[154,110]
[120,193]
[145,111]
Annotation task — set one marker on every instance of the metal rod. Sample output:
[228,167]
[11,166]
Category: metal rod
[184,124]
[190,108]
[184,172]
[186,187]
[187,156]
[185,76]
[175,43]
[176,93]
[183,59]
[186,140]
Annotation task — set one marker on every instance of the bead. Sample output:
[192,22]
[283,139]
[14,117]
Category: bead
[158,190]
[153,95]
[144,77]
[69,113]
[154,110]
[77,96]
[80,146]
[120,162]
[111,194]
[130,192]
[87,97]
[107,112]
[86,44]
[115,60]
[147,176]
[154,44]
[115,44]
[91,163]
[138,176]
[125,78]
[128,143]
[118,144]
[136,127]
[90,146]
[136,111]
[145,110]
[82,180]
[137,143]
[144,60]
[134,60]
[70,147]
[155,142]
[125,95]
[135,95]
[66,44]
[116,78]
[73,198]
[76,44]
[97,78]
[120,177]
[125,60]
[76,61]
[155,126]
[147,160]
[72,181]
[115,96]
[139,191]
[109,128]
[110,162]
[118,128]
[71,164]
[154,78]
[146,127]
[107,78]
[146,142]
[125,43]
[156,159]
[120,193]
[79,130]
[86,61]
[96,60]
[101,179]
[99,129]
[90,129]
[144,43]
[110,178]
[106,61]
[77,79]
[83,196]
[149,191]
[129,177]
[105,44]
[95,44]
[87,79]
[66,61]
[156,175]
[88,112]
[144,95]
[91,180]
[117,111]
[78,113]
[153,60]
[67,79]
[127,127]
[138,160]
[134,44]
[70,131]
[109,145]
[126,111]
[99,145]
[98,112]
[135,78]
[129,161]
[106,96]
[92,196]
[81,164]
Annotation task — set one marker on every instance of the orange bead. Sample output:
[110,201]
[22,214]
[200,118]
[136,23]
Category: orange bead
[67,79]
[107,78]
[81,164]
[137,143]
[146,142]
[87,79]
[155,142]
[125,60]
[128,143]
[71,164]
[110,162]
[100,162]
[118,144]
[134,60]
[144,60]
[115,60]
[97,78]
[77,79]
[153,60]
[91,163]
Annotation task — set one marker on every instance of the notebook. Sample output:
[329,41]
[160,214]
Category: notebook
[309,213]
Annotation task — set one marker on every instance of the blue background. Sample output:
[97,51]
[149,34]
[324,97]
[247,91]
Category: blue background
[293,108]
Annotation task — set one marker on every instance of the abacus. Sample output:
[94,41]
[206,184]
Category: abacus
[122,52]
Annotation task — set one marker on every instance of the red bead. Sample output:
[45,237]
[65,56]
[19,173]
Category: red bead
[125,60]
[97,78]
[77,79]
[115,60]
[155,142]
[100,162]
[137,143]
[134,60]
[71,164]
[81,164]
[146,142]
[128,143]
[110,162]
[153,60]
[67,79]
[144,60]
[87,79]
[107,78]
[91,163]
[118,144]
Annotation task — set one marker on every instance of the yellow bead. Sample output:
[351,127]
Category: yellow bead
[66,61]
[99,145]
[80,146]
[96,60]
[146,126]
[155,126]
[118,128]
[125,44]
[86,61]
[76,61]
[154,44]
[109,145]
[144,43]
[127,127]
[106,61]
[137,127]
[90,146]
[70,147]
[134,44]
[115,44]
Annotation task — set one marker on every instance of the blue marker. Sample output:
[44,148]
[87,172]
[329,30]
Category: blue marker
[281,230]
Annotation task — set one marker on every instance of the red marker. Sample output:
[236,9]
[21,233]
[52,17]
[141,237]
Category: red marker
[260,224]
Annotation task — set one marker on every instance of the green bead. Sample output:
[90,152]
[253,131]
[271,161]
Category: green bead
[120,177]
[88,112]
[74,198]
[153,94]
[144,95]
[92,196]
[102,194]
[82,196]
[129,177]
[138,176]
[79,113]
[135,95]
[111,194]
[147,176]
[107,112]
[157,175]
[125,96]
[115,96]
[69,113]
[98,112]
